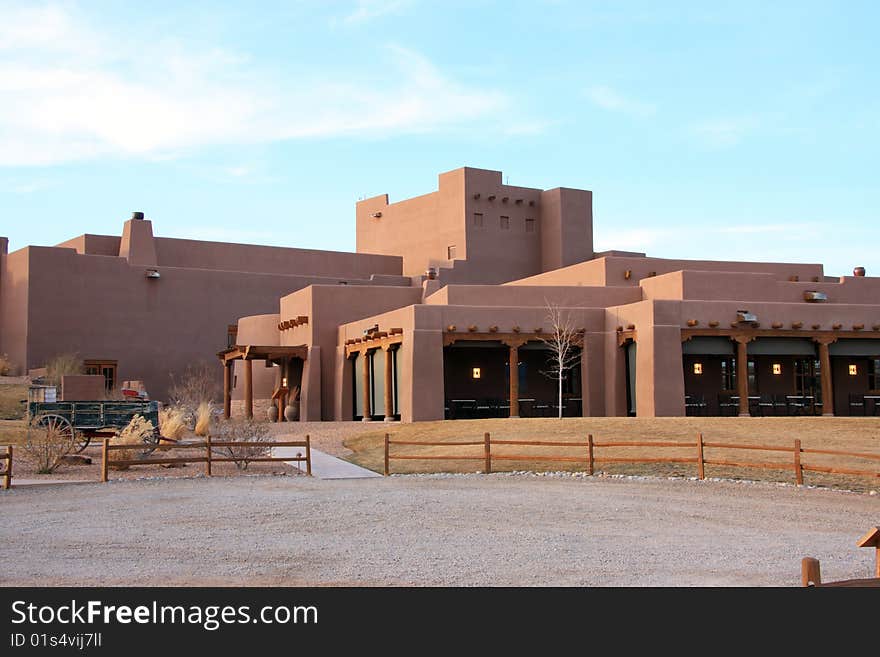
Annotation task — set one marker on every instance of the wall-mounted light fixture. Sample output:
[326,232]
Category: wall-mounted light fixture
[152,273]
[475,373]
[777,368]
[698,368]
[853,370]
[284,382]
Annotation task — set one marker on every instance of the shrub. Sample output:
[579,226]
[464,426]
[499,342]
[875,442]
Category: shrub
[135,433]
[62,365]
[47,445]
[7,367]
[203,418]
[199,383]
[243,430]
[171,422]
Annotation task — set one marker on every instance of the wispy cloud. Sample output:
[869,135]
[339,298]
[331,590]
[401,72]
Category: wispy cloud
[367,10]
[725,132]
[613,101]
[63,101]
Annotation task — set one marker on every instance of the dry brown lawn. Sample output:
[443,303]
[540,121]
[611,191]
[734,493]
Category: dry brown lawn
[11,396]
[846,434]
[12,432]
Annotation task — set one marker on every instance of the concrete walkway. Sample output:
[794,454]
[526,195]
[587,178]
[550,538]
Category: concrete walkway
[325,466]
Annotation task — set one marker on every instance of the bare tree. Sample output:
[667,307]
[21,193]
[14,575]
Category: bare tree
[197,385]
[564,343]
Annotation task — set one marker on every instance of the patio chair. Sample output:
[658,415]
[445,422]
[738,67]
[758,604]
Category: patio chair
[766,405]
[856,403]
[728,405]
[796,405]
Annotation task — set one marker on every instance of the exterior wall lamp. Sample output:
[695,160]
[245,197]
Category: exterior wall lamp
[475,373]
[698,368]
[853,370]
[777,368]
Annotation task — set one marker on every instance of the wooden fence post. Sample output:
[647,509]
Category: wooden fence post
[488,451]
[7,477]
[105,443]
[798,469]
[308,455]
[701,472]
[386,454]
[208,455]
[810,572]
[590,454]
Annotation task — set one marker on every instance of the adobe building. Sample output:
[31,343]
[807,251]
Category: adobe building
[140,307]
[488,261]
[445,292]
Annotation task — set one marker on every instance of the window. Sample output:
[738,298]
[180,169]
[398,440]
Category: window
[105,368]
[505,223]
[530,225]
[728,374]
[231,335]
[478,219]
[874,374]
[450,252]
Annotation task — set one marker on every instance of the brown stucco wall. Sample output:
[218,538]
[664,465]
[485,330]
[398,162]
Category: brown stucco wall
[103,308]
[328,307]
[14,304]
[82,387]
[425,227]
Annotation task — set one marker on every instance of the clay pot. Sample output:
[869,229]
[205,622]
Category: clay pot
[272,413]
[291,411]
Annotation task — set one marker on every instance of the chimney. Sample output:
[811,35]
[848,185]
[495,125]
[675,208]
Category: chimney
[137,245]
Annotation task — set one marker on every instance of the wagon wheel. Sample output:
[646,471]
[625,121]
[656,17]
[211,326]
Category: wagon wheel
[61,425]
[151,442]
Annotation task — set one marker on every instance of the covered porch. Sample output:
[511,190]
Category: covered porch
[780,373]
[289,360]
[505,376]
[375,380]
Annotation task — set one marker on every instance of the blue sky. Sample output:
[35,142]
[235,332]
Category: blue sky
[741,130]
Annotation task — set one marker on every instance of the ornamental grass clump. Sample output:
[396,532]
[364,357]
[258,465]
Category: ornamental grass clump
[172,422]
[203,418]
[136,433]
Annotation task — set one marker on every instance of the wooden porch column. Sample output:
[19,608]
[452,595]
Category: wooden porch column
[825,377]
[249,389]
[513,371]
[368,412]
[742,374]
[227,388]
[389,384]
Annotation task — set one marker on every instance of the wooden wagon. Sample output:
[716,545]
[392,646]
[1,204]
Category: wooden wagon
[84,420]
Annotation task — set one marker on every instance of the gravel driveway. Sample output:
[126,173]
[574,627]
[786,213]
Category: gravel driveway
[430,530]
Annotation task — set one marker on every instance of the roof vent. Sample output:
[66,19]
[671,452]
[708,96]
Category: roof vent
[744,316]
[812,296]
[137,215]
